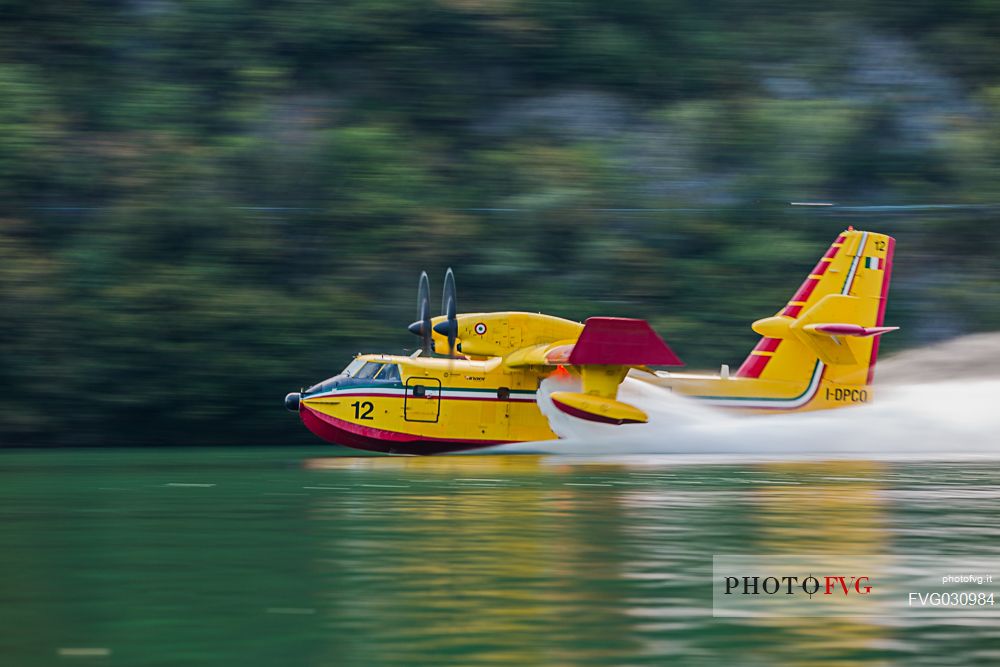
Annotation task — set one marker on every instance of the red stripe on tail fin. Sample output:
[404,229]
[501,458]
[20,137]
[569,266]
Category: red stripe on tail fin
[752,366]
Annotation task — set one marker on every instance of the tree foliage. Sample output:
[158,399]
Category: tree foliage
[207,204]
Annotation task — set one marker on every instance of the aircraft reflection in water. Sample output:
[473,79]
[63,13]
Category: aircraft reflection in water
[498,563]
[521,544]
[818,351]
[834,511]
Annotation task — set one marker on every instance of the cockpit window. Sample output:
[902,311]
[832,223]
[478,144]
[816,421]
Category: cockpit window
[360,369]
[353,367]
[368,371]
[389,373]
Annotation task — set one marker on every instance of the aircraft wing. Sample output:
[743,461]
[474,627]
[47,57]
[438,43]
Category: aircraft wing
[602,355]
[604,341]
[620,341]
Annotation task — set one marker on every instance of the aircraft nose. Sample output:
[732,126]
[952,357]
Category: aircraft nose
[292,401]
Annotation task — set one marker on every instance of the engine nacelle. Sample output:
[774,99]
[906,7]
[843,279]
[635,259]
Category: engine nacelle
[499,334]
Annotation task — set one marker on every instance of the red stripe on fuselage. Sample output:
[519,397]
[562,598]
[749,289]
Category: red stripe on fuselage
[443,398]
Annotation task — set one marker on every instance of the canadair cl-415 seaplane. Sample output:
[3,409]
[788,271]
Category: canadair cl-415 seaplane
[817,352]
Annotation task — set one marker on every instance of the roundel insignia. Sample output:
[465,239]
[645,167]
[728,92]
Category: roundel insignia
[480,328]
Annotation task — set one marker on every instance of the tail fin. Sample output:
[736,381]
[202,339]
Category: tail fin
[834,318]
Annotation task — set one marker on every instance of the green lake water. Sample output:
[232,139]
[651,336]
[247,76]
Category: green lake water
[310,557]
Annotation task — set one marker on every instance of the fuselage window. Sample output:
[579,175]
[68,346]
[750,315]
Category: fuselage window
[389,373]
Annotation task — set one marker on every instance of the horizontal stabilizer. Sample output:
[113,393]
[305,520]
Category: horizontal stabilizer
[843,329]
[828,327]
[621,341]
[597,408]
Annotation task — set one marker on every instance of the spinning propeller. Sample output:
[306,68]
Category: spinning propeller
[449,307]
[422,327]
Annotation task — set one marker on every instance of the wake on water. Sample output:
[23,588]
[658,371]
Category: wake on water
[947,415]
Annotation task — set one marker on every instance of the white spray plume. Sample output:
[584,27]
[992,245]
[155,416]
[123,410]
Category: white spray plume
[941,417]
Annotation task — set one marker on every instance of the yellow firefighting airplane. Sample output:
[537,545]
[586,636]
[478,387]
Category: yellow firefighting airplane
[817,352]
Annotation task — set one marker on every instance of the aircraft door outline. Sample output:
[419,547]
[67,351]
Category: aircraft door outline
[422,400]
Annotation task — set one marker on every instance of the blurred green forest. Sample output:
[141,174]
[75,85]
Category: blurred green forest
[206,204]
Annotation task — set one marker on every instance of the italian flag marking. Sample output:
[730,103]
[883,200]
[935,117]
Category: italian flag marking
[874,263]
